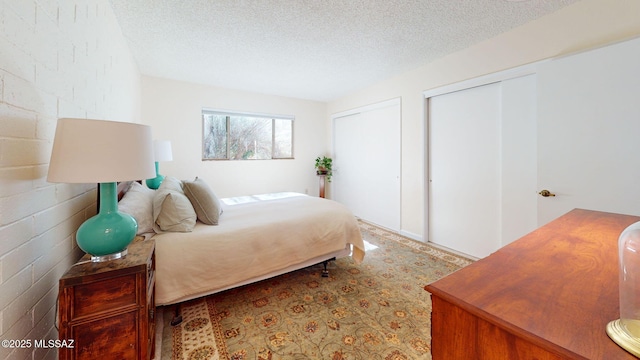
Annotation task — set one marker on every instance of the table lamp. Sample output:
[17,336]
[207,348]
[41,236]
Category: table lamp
[626,331]
[161,152]
[104,152]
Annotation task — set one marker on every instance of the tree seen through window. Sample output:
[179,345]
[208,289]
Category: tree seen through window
[234,136]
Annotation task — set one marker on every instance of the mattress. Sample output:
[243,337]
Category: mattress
[257,237]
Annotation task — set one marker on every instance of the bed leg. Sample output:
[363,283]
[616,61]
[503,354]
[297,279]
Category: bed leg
[325,272]
[177,318]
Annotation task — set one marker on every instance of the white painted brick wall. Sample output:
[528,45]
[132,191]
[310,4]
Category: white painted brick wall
[58,58]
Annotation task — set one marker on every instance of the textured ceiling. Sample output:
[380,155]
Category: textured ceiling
[310,49]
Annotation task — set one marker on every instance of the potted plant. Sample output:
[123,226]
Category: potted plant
[323,167]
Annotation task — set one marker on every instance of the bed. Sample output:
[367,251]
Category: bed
[254,238]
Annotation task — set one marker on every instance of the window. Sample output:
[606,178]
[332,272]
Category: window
[241,136]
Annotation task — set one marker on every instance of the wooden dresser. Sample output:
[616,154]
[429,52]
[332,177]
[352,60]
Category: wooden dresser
[548,295]
[108,308]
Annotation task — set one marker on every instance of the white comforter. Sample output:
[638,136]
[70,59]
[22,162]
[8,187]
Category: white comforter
[256,236]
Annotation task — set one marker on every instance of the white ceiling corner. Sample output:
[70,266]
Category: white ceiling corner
[317,50]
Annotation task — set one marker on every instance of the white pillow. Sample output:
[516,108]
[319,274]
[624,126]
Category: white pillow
[138,202]
[171,183]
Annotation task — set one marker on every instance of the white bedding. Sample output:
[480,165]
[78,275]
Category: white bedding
[257,236]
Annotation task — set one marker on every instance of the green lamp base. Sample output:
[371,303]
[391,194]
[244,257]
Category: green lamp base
[107,235]
[156,181]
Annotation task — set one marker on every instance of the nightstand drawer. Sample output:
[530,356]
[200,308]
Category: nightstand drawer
[114,337]
[97,297]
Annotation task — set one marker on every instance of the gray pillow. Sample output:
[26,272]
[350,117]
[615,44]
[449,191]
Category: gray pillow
[204,201]
[172,211]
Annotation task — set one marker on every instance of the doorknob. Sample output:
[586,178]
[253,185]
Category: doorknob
[546,193]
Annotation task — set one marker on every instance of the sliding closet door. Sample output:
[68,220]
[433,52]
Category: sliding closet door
[367,163]
[464,177]
[519,158]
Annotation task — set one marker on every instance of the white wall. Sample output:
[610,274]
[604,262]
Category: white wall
[174,108]
[582,25]
[57,59]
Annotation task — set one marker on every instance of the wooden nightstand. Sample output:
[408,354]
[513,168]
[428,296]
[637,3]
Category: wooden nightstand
[108,308]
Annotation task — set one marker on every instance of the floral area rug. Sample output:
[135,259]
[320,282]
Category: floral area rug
[376,310]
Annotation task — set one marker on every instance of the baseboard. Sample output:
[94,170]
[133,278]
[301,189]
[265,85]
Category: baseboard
[404,233]
[419,238]
[411,235]
[455,252]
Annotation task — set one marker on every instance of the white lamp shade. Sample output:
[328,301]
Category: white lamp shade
[162,150]
[99,151]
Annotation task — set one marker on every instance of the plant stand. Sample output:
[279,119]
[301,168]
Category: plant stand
[322,181]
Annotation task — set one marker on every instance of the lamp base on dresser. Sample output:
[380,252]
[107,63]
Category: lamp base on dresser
[617,333]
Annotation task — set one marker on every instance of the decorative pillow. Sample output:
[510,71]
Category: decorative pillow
[138,202]
[204,201]
[172,211]
[171,183]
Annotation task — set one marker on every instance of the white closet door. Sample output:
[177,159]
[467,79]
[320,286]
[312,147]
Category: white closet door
[367,163]
[519,160]
[347,184]
[464,170]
